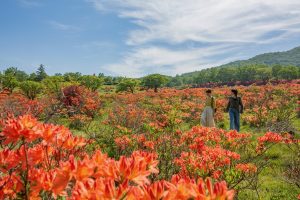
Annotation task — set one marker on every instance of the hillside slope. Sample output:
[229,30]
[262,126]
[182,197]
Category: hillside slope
[291,57]
[277,65]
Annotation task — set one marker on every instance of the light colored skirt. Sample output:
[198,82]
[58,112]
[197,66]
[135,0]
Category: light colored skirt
[207,117]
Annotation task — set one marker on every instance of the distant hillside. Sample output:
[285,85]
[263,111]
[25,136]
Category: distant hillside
[277,65]
[291,57]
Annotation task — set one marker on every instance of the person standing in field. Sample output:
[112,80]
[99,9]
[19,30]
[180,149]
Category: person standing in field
[235,108]
[207,117]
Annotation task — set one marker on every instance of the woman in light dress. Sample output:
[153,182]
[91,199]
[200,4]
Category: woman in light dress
[207,117]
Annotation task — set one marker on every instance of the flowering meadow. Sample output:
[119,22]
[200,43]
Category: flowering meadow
[80,143]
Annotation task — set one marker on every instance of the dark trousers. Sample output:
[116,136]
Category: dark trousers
[234,119]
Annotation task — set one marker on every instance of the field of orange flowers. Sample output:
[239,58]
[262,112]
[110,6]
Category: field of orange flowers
[80,144]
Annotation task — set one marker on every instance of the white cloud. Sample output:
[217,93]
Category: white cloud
[231,22]
[146,60]
[177,21]
[63,27]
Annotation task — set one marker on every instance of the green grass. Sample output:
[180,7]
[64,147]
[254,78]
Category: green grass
[296,124]
[272,183]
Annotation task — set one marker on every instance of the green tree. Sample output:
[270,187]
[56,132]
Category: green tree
[263,73]
[72,77]
[32,77]
[20,75]
[101,75]
[175,81]
[53,84]
[213,74]
[108,80]
[31,88]
[200,77]
[41,73]
[127,84]
[154,81]
[58,74]
[289,72]
[226,74]
[91,82]
[9,82]
[117,80]
[275,71]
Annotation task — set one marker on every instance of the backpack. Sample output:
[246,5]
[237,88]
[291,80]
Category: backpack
[235,103]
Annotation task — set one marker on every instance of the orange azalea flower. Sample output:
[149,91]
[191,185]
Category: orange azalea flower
[49,169]
[83,169]
[134,169]
[149,144]
[246,168]
[155,191]
[72,142]
[20,128]
[10,186]
[105,167]
[122,142]
[60,182]
[188,189]
[8,160]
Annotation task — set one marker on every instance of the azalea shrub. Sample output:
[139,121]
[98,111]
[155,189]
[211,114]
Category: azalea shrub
[204,152]
[17,104]
[75,105]
[129,118]
[80,100]
[265,106]
[44,161]
[269,105]
[164,123]
[292,165]
[146,145]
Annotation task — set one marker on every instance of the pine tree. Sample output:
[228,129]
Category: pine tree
[41,73]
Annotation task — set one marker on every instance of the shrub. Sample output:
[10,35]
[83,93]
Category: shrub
[9,82]
[91,82]
[127,84]
[44,161]
[16,105]
[154,81]
[79,100]
[53,84]
[31,89]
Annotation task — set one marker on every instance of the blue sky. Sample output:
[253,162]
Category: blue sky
[135,37]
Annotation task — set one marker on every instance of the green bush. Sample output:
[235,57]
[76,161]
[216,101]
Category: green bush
[91,82]
[9,82]
[127,84]
[31,89]
[53,84]
[154,81]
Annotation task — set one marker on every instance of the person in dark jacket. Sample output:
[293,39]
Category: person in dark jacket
[235,107]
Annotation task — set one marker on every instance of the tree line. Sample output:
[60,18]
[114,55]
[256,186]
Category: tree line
[253,72]
[34,83]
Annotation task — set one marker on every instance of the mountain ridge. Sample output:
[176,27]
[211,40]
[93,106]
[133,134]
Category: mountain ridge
[286,58]
[266,66]
[289,57]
